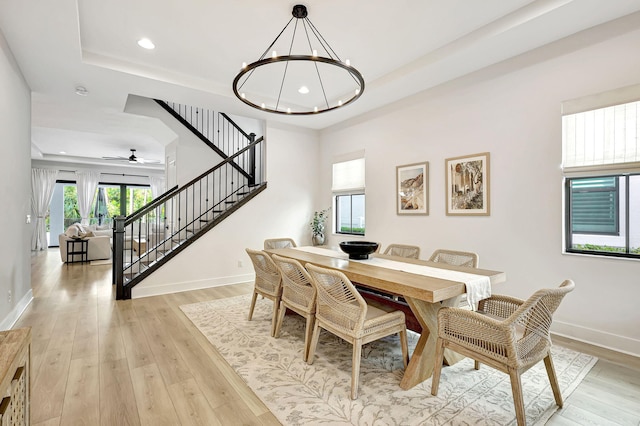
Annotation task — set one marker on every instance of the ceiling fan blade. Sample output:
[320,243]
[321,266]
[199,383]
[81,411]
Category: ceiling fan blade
[133,159]
[146,161]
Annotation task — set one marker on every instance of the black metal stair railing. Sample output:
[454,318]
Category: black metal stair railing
[151,236]
[216,129]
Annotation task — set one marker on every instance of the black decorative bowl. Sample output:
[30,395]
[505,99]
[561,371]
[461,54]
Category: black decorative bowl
[358,249]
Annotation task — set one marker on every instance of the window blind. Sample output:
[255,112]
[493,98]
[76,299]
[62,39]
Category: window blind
[601,141]
[348,175]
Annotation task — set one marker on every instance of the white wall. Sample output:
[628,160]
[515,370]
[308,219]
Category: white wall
[193,156]
[516,118]
[284,209]
[15,188]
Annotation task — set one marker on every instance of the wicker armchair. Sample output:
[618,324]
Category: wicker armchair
[458,258]
[298,294]
[341,310]
[276,243]
[268,283]
[402,250]
[506,333]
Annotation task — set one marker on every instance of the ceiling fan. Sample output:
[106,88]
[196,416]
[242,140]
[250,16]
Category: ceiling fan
[133,159]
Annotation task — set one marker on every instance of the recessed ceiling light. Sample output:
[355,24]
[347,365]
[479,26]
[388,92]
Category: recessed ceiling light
[304,90]
[146,43]
[82,91]
[63,152]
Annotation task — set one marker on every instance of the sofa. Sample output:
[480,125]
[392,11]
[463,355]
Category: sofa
[99,242]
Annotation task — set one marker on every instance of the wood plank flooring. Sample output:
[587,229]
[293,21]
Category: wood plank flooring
[98,361]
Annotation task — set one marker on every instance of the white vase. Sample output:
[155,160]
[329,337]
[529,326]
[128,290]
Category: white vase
[318,239]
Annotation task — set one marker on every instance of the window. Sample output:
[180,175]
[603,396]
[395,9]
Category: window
[601,164]
[604,215]
[349,198]
[594,205]
[110,200]
[350,214]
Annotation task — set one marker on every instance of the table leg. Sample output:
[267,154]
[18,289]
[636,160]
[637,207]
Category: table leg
[422,359]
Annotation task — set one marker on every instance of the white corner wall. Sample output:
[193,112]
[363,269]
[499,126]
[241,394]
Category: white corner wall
[515,116]
[15,189]
[284,209]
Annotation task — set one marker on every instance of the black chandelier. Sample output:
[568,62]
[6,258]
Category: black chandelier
[294,84]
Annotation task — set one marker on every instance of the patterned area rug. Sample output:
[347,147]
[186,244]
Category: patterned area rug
[298,393]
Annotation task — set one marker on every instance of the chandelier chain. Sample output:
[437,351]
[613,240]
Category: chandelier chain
[286,65]
[304,23]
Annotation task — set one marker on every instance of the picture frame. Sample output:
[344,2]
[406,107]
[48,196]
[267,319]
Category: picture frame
[412,189]
[467,185]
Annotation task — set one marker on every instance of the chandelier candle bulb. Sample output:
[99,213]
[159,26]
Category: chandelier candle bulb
[348,62]
[274,54]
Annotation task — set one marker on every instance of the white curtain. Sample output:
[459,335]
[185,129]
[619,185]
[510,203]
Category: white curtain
[43,181]
[87,183]
[157,186]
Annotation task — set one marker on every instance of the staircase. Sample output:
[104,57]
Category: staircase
[157,232]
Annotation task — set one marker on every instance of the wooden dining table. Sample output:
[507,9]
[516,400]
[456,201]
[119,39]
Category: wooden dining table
[424,294]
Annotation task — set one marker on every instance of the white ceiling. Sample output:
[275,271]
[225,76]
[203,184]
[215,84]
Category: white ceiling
[401,47]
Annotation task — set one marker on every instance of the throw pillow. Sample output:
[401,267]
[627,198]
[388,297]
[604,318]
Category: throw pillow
[72,231]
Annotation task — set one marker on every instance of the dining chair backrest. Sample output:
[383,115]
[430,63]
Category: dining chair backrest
[403,250]
[267,275]
[338,302]
[276,243]
[453,257]
[297,288]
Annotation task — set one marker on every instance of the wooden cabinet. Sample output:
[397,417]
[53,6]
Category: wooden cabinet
[15,356]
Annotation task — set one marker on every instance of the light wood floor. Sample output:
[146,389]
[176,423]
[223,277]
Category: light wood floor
[97,361]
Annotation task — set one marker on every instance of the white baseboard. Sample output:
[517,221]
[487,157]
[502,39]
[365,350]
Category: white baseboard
[11,319]
[146,291]
[599,338]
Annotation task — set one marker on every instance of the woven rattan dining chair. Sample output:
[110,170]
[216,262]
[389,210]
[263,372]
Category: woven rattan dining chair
[403,250]
[341,310]
[298,294]
[268,283]
[506,333]
[458,258]
[276,243]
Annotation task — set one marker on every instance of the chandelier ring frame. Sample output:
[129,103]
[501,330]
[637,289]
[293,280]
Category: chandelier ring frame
[287,58]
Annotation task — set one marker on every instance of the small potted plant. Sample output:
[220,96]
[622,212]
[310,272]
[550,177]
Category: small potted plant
[317,226]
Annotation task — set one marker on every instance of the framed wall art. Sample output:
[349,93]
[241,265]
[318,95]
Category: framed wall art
[467,185]
[412,189]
